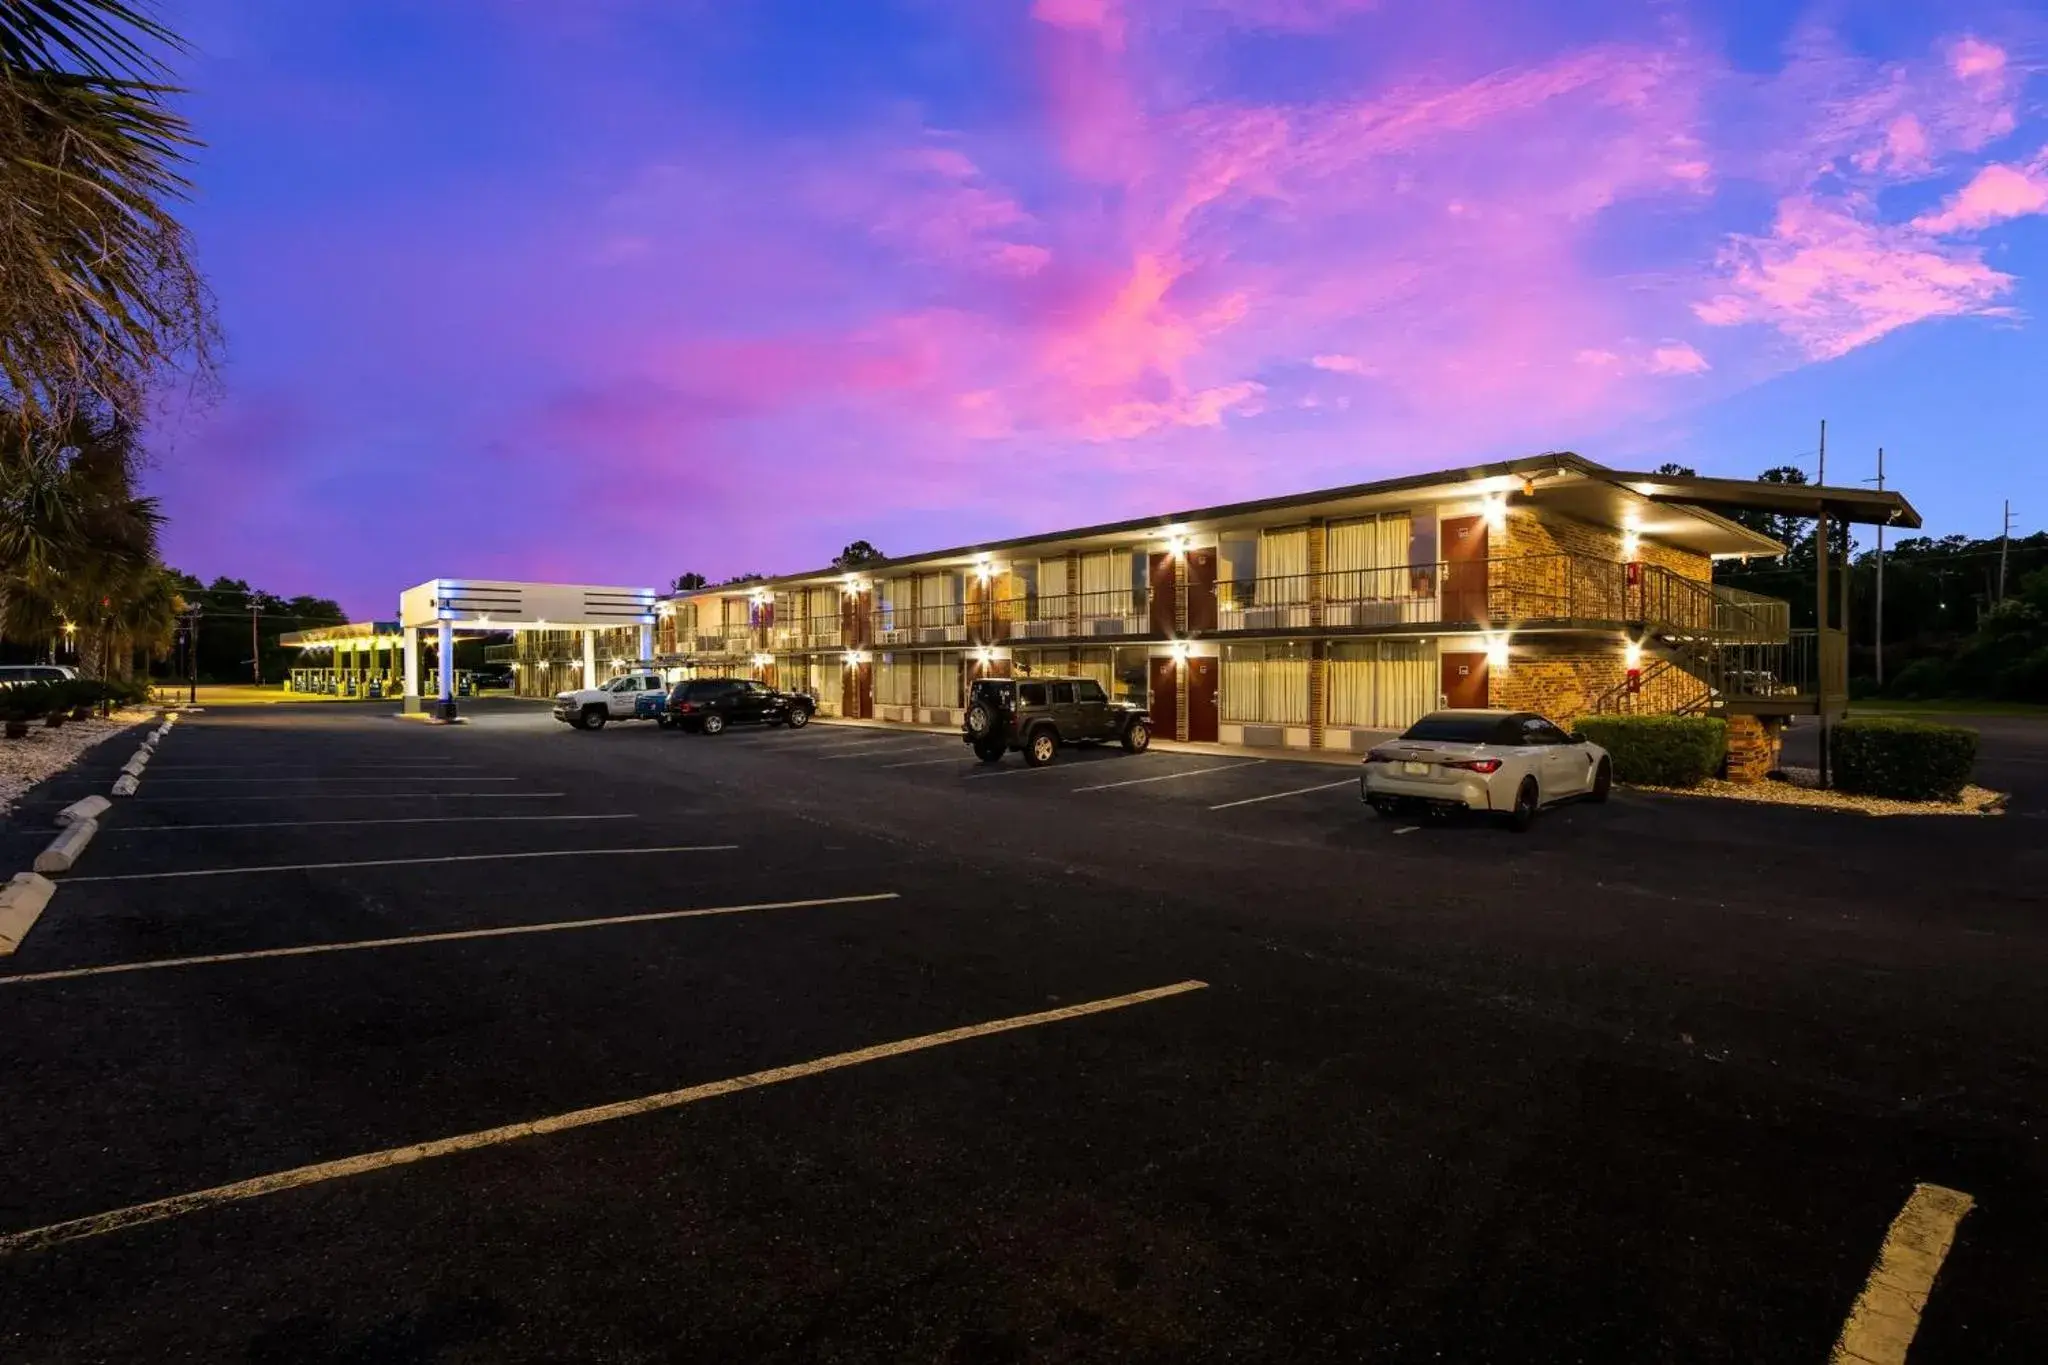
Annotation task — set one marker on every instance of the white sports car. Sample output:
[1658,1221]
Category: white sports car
[1510,762]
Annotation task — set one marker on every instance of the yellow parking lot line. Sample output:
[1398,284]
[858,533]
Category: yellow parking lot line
[406,862]
[452,936]
[1887,1313]
[198,1201]
[1298,791]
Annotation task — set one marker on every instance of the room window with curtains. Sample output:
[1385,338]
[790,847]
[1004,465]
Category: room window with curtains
[1099,664]
[1283,566]
[939,683]
[1380,684]
[894,676]
[1266,684]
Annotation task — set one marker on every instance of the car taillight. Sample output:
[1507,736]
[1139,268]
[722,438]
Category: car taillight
[686,706]
[1477,765]
[1374,756]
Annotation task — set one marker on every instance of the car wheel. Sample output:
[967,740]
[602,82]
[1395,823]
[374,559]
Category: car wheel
[1526,799]
[1040,746]
[661,722]
[574,722]
[1137,737]
[712,724]
[594,718]
[981,719]
[1603,781]
[799,717]
[989,752]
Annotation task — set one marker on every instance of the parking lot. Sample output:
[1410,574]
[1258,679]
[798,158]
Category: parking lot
[354,1040]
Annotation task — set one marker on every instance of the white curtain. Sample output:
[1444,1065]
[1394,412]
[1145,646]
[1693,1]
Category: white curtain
[1349,683]
[1241,676]
[1351,546]
[939,680]
[1265,685]
[1408,683]
[1283,555]
[893,674]
[1052,577]
[1106,572]
[1392,556]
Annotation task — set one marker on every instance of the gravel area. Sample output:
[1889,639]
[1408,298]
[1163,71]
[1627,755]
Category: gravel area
[25,762]
[1802,788]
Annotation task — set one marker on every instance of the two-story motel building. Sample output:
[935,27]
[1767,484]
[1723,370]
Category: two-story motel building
[1318,620]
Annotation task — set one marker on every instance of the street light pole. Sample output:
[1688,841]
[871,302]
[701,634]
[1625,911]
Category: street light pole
[1878,635]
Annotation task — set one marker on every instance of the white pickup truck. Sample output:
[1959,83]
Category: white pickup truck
[636,696]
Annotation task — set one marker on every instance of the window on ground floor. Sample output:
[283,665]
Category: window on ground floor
[939,683]
[1266,684]
[895,675]
[1381,684]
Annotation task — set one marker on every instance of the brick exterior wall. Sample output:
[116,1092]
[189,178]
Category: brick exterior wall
[1560,684]
[1755,744]
[1537,580]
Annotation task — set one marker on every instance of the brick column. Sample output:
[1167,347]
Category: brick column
[916,621]
[1318,562]
[1318,692]
[1754,745]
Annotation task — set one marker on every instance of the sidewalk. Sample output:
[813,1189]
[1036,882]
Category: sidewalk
[1330,757]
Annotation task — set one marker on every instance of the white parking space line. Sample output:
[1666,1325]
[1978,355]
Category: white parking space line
[454,936]
[198,1201]
[1168,777]
[877,749]
[860,746]
[926,762]
[407,862]
[379,820]
[1886,1314]
[273,781]
[1298,791]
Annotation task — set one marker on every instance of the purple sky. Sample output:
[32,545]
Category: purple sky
[609,290]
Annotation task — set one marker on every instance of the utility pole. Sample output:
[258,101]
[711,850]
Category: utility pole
[192,652]
[255,642]
[1878,620]
[2004,543]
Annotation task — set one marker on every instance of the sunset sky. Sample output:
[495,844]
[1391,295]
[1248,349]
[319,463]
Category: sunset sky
[607,290]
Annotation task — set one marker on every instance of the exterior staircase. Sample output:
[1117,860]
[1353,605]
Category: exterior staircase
[1712,650]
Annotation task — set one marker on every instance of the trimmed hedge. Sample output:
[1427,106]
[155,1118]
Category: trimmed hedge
[1909,760]
[1659,751]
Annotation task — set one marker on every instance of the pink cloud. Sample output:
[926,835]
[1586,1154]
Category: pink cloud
[1342,364]
[1832,280]
[1677,358]
[1972,58]
[1994,194]
[1100,19]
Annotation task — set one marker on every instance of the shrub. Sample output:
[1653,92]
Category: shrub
[1909,760]
[1920,679]
[29,701]
[1660,751]
[2026,680]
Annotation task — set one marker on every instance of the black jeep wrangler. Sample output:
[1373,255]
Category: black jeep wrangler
[1038,715]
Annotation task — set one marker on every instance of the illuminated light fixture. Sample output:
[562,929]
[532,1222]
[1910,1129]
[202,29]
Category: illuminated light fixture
[763,660]
[1631,543]
[1497,653]
[1180,651]
[984,655]
[1632,655]
[983,568]
[1497,512]
[1177,540]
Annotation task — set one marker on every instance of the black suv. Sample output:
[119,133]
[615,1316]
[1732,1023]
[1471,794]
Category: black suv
[709,705]
[1038,715]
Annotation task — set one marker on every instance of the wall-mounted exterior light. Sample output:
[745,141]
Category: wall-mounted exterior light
[1631,544]
[1180,651]
[1496,512]
[1497,653]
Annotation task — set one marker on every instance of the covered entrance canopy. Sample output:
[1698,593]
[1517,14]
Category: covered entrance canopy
[491,606]
[359,659]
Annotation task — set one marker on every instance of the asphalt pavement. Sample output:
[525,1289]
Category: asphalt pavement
[356,1040]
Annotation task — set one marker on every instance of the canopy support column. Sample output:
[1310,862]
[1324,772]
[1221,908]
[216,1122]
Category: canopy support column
[446,661]
[589,657]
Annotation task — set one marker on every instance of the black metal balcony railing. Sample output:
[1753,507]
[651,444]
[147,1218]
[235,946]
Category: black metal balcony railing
[1103,614]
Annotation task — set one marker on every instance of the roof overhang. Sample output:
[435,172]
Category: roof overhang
[1596,495]
[496,604]
[1861,506]
[353,633]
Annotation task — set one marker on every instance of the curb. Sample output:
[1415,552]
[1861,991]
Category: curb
[124,785]
[21,902]
[85,808]
[64,849]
